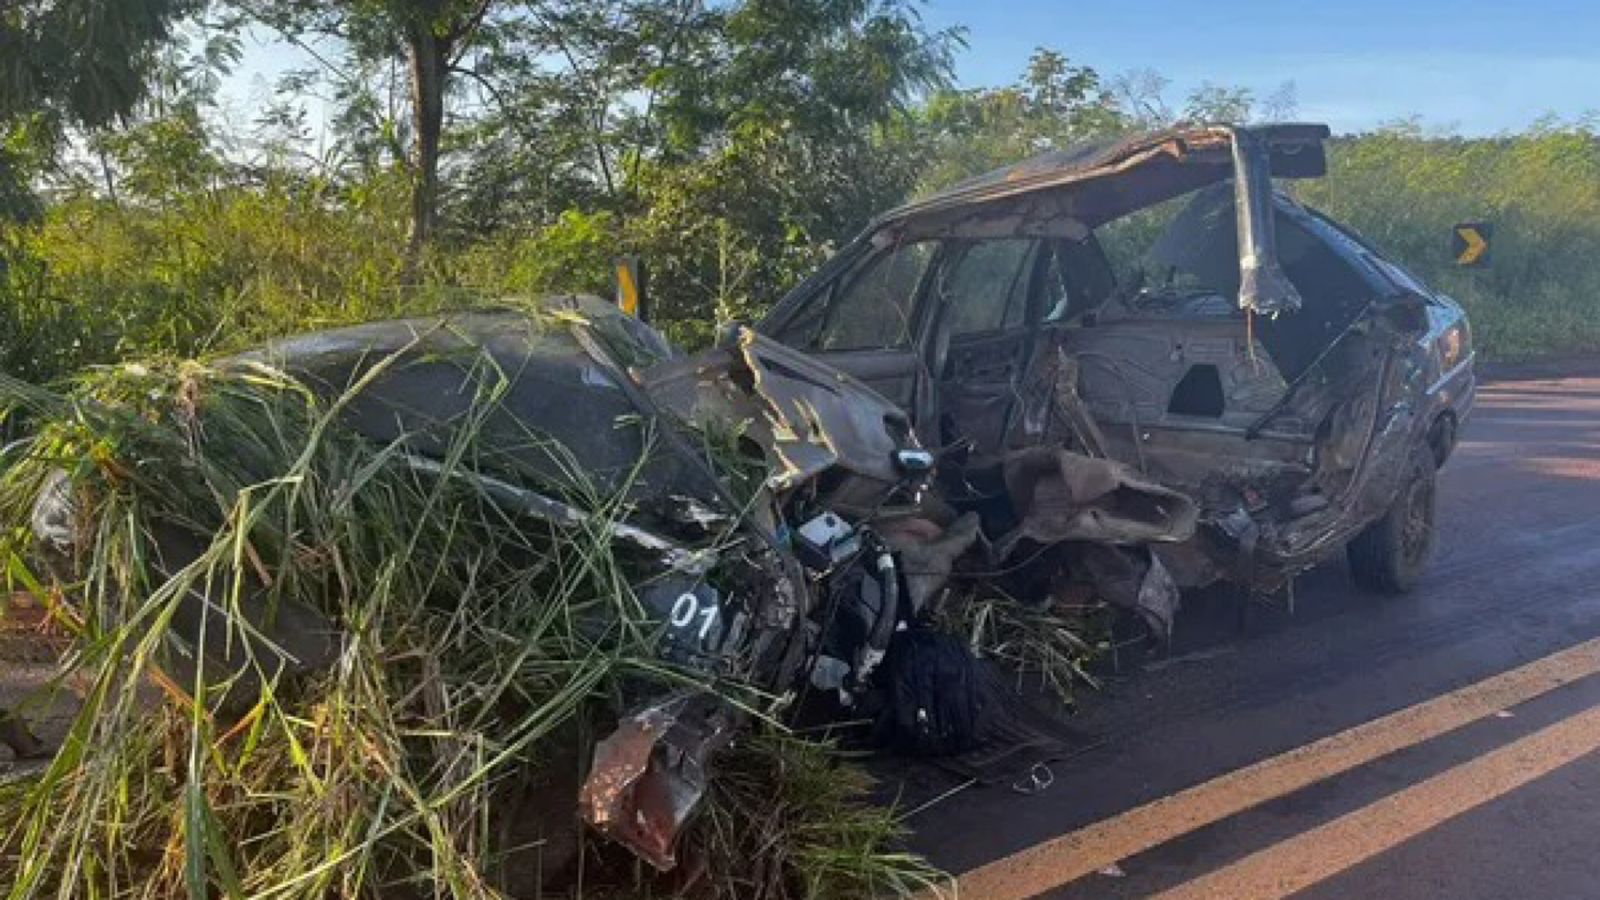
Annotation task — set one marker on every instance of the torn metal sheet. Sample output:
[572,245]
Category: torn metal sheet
[1166,164]
[1053,410]
[1061,496]
[805,417]
[821,418]
[1264,288]
[649,776]
[1133,578]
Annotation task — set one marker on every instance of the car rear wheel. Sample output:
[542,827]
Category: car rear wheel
[1391,554]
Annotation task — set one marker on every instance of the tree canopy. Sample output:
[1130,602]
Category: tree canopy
[71,63]
[488,147]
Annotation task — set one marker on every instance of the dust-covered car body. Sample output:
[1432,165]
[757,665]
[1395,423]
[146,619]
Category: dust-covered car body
[1273,366]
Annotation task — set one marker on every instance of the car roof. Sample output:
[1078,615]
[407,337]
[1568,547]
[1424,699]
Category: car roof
[1295,151]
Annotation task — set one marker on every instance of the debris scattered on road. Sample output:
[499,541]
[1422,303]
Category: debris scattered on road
[1039,779]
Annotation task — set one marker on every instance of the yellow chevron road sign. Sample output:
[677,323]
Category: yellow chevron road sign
[1470,243]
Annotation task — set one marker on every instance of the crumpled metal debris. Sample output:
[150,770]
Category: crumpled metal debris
[1133,578]
[648,777]
[806,417]
[1064,496]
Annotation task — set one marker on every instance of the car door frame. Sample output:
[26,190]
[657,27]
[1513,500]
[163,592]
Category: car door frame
[1015,344]
[901,375]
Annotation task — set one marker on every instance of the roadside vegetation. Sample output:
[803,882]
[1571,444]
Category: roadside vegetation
[1404,189]
[446,154]
[729,148]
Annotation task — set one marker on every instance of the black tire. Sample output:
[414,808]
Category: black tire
[1392,553]
[1442,439]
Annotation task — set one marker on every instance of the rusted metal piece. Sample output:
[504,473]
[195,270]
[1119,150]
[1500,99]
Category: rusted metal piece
[1065,496]
[650,775]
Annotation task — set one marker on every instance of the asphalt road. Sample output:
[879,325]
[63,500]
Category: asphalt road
[1492,791]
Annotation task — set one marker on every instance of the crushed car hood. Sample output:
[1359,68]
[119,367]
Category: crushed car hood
[805,416]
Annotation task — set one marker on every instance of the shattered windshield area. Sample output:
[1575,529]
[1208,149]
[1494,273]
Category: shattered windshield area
[1181,257]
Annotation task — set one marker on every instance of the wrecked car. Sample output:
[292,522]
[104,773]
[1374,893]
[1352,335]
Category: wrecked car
[972,389]
[1254,356]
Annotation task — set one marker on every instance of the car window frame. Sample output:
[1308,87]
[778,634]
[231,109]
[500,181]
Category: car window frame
[822,290]
[846,279]
[1027,276]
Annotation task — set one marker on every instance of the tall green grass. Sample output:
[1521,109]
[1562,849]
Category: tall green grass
[1404,190]
[478,652]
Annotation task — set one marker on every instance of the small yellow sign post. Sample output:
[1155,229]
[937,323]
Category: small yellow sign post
[1470,243]
[630,288]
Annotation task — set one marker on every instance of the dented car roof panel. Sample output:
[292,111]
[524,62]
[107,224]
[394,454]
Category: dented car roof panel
[1178,160]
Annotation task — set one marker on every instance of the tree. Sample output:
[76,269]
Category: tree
[1215,103]
[1054,104]
[727,144]
[1282,104]
[1141,94]
[431,36]
[81,62]
[781,130]
[71,63]
[812,67]
[568,95]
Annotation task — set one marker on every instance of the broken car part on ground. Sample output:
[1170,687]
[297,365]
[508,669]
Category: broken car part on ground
[971,390]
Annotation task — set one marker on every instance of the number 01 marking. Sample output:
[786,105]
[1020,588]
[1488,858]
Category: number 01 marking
[687,608]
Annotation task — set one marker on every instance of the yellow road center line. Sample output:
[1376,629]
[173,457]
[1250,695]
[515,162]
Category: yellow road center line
[1072,856]
[1312,856]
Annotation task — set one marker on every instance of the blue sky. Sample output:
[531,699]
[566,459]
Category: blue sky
[1471,66]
